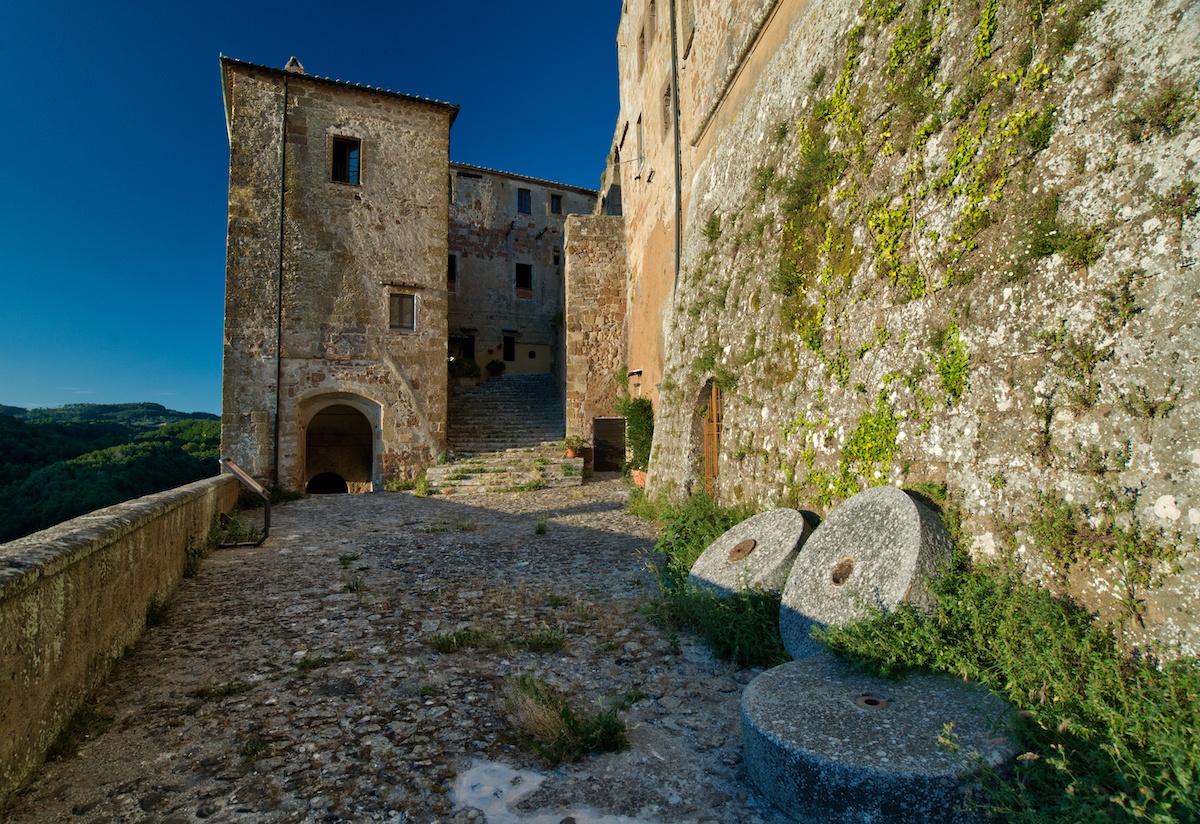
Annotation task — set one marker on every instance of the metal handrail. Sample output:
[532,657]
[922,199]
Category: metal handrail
[257,488]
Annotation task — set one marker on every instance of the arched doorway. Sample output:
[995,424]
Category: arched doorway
[339,450]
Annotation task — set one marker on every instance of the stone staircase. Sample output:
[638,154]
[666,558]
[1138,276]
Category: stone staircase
[506,434]
[509,412]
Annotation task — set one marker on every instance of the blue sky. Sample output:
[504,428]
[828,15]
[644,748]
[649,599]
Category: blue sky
[113,204]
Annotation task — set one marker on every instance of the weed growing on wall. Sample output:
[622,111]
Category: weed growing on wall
[951,365]
[1161,113]
[1067,536]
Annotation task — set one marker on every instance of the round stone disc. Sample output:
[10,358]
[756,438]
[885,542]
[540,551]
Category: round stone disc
[875,550]
[756,554]
[826,743]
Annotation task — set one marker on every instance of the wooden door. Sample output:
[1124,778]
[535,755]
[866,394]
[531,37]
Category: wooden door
[712,438]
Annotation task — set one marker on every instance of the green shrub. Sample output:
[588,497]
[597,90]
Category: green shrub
[743,627]
[465,368]
[639,429]
[1106,737]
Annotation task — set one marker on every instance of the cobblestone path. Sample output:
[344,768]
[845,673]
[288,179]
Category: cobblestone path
[296,682]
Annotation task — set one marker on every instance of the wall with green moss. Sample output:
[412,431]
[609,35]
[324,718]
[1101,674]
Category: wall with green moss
[953,246]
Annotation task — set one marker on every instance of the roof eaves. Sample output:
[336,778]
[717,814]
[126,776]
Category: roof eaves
[231,61]
[454,164]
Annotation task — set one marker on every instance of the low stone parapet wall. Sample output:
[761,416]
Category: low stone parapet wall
[73,599]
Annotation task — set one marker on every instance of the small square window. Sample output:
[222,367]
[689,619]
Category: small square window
[525,201]
[556,204]
[524,280]
[347,153]
[404,312]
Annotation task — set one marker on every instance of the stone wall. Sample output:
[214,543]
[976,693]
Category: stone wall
[953,246]
[73,599]
[348,248]
[489,236]
[595,318]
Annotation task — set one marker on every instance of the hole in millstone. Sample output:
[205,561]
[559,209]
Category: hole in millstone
[871,702]
[741,550]
[842,571]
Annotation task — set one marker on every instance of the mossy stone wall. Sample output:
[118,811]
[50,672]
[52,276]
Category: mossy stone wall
[953,246]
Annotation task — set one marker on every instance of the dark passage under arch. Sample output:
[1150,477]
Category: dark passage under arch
[339,451]
[327,483]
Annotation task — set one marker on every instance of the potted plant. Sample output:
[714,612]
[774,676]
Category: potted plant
[495,368]
[574,446]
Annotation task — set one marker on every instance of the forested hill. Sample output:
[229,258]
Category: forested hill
[56,464]
[141,417]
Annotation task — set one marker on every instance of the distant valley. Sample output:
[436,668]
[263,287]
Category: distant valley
[56,464]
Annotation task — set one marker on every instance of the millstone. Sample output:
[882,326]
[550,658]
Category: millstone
[826,743]
[875,550]
[756,554]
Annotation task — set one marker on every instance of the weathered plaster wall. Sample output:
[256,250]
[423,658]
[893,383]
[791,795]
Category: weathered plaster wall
[490,237]
[595,318]
[346,250]
[722,45]
[953,244]
[73,598]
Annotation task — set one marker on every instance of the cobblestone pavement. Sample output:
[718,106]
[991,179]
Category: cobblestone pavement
[295,682]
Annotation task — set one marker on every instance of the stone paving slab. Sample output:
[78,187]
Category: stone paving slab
[295,682]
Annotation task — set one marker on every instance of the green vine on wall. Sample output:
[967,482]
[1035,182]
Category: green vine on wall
[951,365]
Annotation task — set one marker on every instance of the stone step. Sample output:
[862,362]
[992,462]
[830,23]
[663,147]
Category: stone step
[542,466]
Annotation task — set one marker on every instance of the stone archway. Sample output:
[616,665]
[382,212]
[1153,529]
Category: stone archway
[339,443]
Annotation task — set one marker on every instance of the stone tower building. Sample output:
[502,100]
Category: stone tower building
[353,244]
[335,318]
[505,270]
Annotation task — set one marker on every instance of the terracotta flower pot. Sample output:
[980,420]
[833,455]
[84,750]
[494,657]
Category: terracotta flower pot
[639,477]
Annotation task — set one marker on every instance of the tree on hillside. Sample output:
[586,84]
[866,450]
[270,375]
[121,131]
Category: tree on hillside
[26,448]
[167,457]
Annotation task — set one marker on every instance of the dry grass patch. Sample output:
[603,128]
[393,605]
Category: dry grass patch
[540,712]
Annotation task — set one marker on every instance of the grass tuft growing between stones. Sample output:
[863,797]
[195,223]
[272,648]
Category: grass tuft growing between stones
[541,639]
[309,663]
[541,713]
[87,723]
[466,638]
